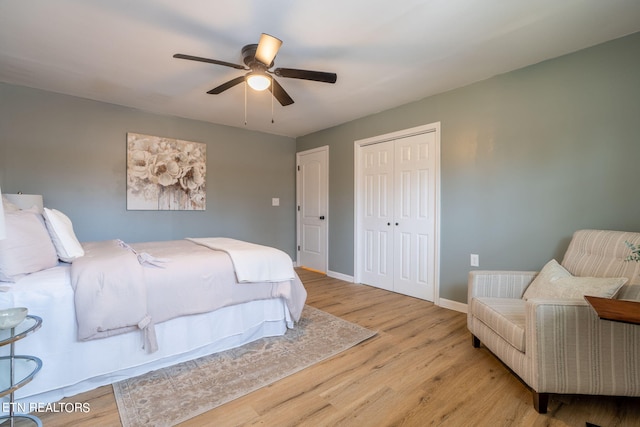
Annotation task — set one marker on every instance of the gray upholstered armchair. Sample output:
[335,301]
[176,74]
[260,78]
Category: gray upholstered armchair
[555,344]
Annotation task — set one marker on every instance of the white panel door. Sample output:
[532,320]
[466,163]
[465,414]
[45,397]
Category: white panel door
[312,209]
[396,211]
[377,215]
[414,215]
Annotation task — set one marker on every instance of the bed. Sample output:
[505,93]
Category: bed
[210,311]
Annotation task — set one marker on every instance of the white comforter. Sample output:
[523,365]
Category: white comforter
[252,262]
[115,292]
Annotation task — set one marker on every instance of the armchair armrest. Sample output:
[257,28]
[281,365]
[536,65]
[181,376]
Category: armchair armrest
[573,351]
[498,284]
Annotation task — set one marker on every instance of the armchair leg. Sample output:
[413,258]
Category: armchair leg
[540,401]
[475,341]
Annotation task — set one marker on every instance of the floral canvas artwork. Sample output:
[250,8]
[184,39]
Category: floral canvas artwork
[165,173]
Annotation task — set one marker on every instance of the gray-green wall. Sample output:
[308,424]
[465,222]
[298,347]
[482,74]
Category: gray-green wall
[73,151]
[527,158]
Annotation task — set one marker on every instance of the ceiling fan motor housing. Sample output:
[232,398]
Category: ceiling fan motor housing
[249,58]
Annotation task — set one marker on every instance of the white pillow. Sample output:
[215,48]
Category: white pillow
[64,239]
[8,206]
[27,248]
[555,282]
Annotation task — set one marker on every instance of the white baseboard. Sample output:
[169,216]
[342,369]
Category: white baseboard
[452,305]
[334,274]
[340,276]
[444,303]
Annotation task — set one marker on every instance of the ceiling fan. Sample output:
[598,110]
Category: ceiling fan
[258,60]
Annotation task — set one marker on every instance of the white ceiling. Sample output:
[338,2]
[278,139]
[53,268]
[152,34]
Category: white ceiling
[386,53]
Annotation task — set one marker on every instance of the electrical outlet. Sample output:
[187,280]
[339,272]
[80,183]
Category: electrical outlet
[475,260]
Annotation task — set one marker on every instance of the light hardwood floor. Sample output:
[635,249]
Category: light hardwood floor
[419,370]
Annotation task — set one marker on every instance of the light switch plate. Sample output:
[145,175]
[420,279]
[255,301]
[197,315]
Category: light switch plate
[275,201]
[475,260]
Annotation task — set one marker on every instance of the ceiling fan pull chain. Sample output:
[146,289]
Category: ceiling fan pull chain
[272,121]
[245,102]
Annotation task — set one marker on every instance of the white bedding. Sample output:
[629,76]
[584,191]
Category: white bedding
[115,293]
[252,263]
[71,366]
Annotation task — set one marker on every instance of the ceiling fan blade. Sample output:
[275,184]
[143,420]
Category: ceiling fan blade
[280,94]
[210,61]
[267,50]
[225,86]
[318,76]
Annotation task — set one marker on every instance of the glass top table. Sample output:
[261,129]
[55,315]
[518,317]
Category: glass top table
[28,325]
[20,369]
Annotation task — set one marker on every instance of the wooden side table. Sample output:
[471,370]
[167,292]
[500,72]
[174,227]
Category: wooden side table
[617,310]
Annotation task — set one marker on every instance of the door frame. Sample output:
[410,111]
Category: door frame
[325,149]
[358,206]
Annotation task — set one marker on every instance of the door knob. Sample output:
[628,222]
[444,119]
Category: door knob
[322,217]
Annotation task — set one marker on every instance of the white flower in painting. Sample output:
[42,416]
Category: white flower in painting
[184,161]
[139,164]
[197,197]
[193,178]
[164,170]
[142,144]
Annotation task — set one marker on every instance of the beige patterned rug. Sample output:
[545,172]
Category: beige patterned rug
[213,380]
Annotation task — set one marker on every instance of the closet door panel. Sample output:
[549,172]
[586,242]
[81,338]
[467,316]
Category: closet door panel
[377,180]
[414,196]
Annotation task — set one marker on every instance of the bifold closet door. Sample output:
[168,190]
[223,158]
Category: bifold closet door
[398,215]
[414,216]
[377,170]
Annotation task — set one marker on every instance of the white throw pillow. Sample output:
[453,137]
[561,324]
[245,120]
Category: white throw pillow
[555,282]
[27,248]
[64,239]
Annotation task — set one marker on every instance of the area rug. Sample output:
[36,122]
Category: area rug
[203,384]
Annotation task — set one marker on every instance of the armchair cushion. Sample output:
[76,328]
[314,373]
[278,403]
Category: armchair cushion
[554,282]
[504,316]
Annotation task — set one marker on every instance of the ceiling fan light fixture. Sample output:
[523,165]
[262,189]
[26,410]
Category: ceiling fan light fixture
[258,81]
[267,49]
